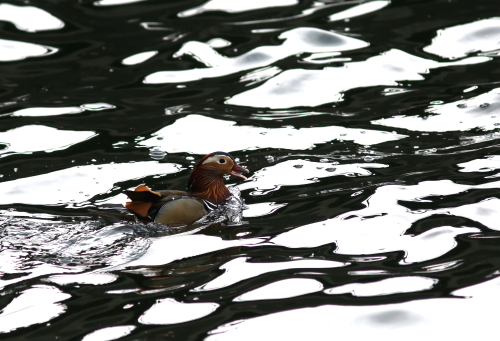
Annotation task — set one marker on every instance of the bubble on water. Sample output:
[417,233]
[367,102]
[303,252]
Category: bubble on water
[462,105]
[298,166]
[497,124]
[436,102]
[269,158]
[302,195]
[324,160]
[159,138]
[331,169]
[368,158]
[156,153]
[100,167]
[484,105]
[335,163]
[190,158]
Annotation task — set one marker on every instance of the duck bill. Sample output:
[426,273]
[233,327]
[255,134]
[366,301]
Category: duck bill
[237,170]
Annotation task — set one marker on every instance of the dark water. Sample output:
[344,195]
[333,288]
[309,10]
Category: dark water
[370,128]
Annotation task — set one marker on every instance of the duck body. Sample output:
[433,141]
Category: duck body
[206,190]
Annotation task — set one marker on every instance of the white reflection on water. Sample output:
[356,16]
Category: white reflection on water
[178,137]
[286,288]
[29,18]
[231,6]
[481,112]
[83,278]
[34,138]
[48,111]
[238,269]
[300,87]
[430,319]
[297,40]
[301,172]
[488,164]
[169,311]
[77,184]
[115,2]
[261,209]
[139,58]
[164,250]
[11,50]
[110,333]
[37,304]
[486,290]
[389,286]
[459,41]
[361,9]
[12,261]
[380,227]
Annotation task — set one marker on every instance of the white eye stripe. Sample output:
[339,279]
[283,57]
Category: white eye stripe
[215,159]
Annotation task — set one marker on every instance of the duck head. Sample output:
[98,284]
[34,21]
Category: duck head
[207,177]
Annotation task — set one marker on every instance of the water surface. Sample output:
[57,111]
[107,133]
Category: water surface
[370,129]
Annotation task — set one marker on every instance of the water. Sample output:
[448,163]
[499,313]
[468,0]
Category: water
[370,130]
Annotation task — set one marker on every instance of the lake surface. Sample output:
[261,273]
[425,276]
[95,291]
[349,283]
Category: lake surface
[371,130]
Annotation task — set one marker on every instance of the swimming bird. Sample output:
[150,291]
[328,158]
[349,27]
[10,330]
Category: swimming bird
[205,191]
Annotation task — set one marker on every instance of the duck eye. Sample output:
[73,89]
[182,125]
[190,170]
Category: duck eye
[222,161]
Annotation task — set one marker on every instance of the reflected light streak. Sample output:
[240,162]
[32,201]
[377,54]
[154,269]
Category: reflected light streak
[298,40]
[231,6]
[389,286]
[29,18]
[462,40]
[300,87]
[381,226]
[11,50]
[482,112]
[78,184]
[240,269]
[170,311]
[37,304]
[415,320]
[362,9]
[178,137]
[291,287]
[109,333]
[34,138]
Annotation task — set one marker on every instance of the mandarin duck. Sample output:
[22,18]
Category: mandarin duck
[205,191]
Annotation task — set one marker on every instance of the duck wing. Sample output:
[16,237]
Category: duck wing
[167,207]
[180,212]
